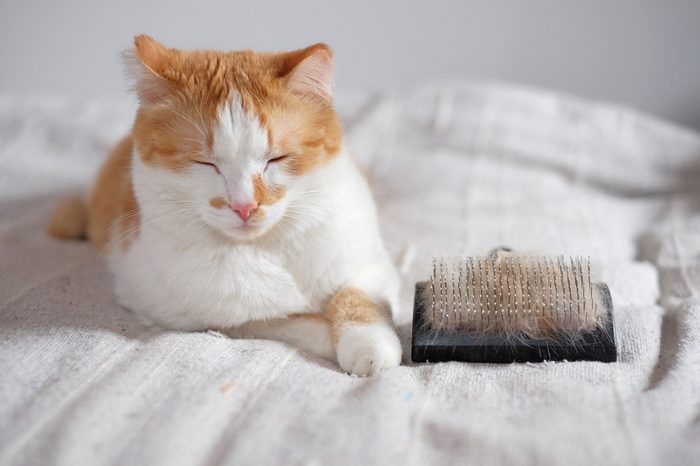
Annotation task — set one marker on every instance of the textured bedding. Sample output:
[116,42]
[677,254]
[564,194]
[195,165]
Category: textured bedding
[456,169]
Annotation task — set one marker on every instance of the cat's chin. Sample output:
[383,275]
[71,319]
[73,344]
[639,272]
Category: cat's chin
[244,232]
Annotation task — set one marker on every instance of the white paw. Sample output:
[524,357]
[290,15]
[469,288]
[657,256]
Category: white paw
[367,349]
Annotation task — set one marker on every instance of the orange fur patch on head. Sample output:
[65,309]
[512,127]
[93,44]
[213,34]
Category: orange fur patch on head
[352,306]
[218,202]
[265,195]
[168,137]
[302,123]
[305,137]
[181,93]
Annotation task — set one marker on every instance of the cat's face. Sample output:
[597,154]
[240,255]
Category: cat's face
[228,140]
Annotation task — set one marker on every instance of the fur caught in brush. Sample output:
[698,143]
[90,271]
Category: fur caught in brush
[508,307]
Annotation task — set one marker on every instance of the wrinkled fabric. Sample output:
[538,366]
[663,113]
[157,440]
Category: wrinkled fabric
[456,169]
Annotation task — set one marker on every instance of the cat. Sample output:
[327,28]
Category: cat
[233,205]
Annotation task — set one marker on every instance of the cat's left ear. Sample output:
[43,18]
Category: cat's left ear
[309,72]
[145,64]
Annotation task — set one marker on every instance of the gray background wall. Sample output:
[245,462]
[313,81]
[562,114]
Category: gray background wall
[642,53]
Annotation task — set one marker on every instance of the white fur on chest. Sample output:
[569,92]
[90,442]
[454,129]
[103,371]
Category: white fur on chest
[205,286]
[179,276]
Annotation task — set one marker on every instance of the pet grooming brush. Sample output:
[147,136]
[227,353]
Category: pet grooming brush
[512,308]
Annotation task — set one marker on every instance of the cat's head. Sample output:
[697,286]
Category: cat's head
[227,139]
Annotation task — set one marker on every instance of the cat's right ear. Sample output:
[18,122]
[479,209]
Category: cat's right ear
[145,64]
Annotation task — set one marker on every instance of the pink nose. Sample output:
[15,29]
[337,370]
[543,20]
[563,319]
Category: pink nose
[245,210]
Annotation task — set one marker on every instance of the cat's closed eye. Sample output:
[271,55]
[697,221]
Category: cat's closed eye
[277,159]
[210,164]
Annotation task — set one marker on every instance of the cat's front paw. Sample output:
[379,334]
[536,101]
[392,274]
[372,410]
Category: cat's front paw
[367,349]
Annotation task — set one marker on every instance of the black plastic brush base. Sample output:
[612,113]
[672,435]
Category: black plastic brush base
[438,346]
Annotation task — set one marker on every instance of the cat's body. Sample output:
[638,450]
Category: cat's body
[234,206]
[192,278]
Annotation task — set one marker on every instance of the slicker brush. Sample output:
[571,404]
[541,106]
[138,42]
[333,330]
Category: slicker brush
[507,307]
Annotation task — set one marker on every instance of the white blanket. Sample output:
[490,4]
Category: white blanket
[456,169]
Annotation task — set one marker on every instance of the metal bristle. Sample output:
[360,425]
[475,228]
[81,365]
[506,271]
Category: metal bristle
[508,293]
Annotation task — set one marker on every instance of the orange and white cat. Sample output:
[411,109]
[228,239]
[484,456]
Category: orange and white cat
[233,205]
